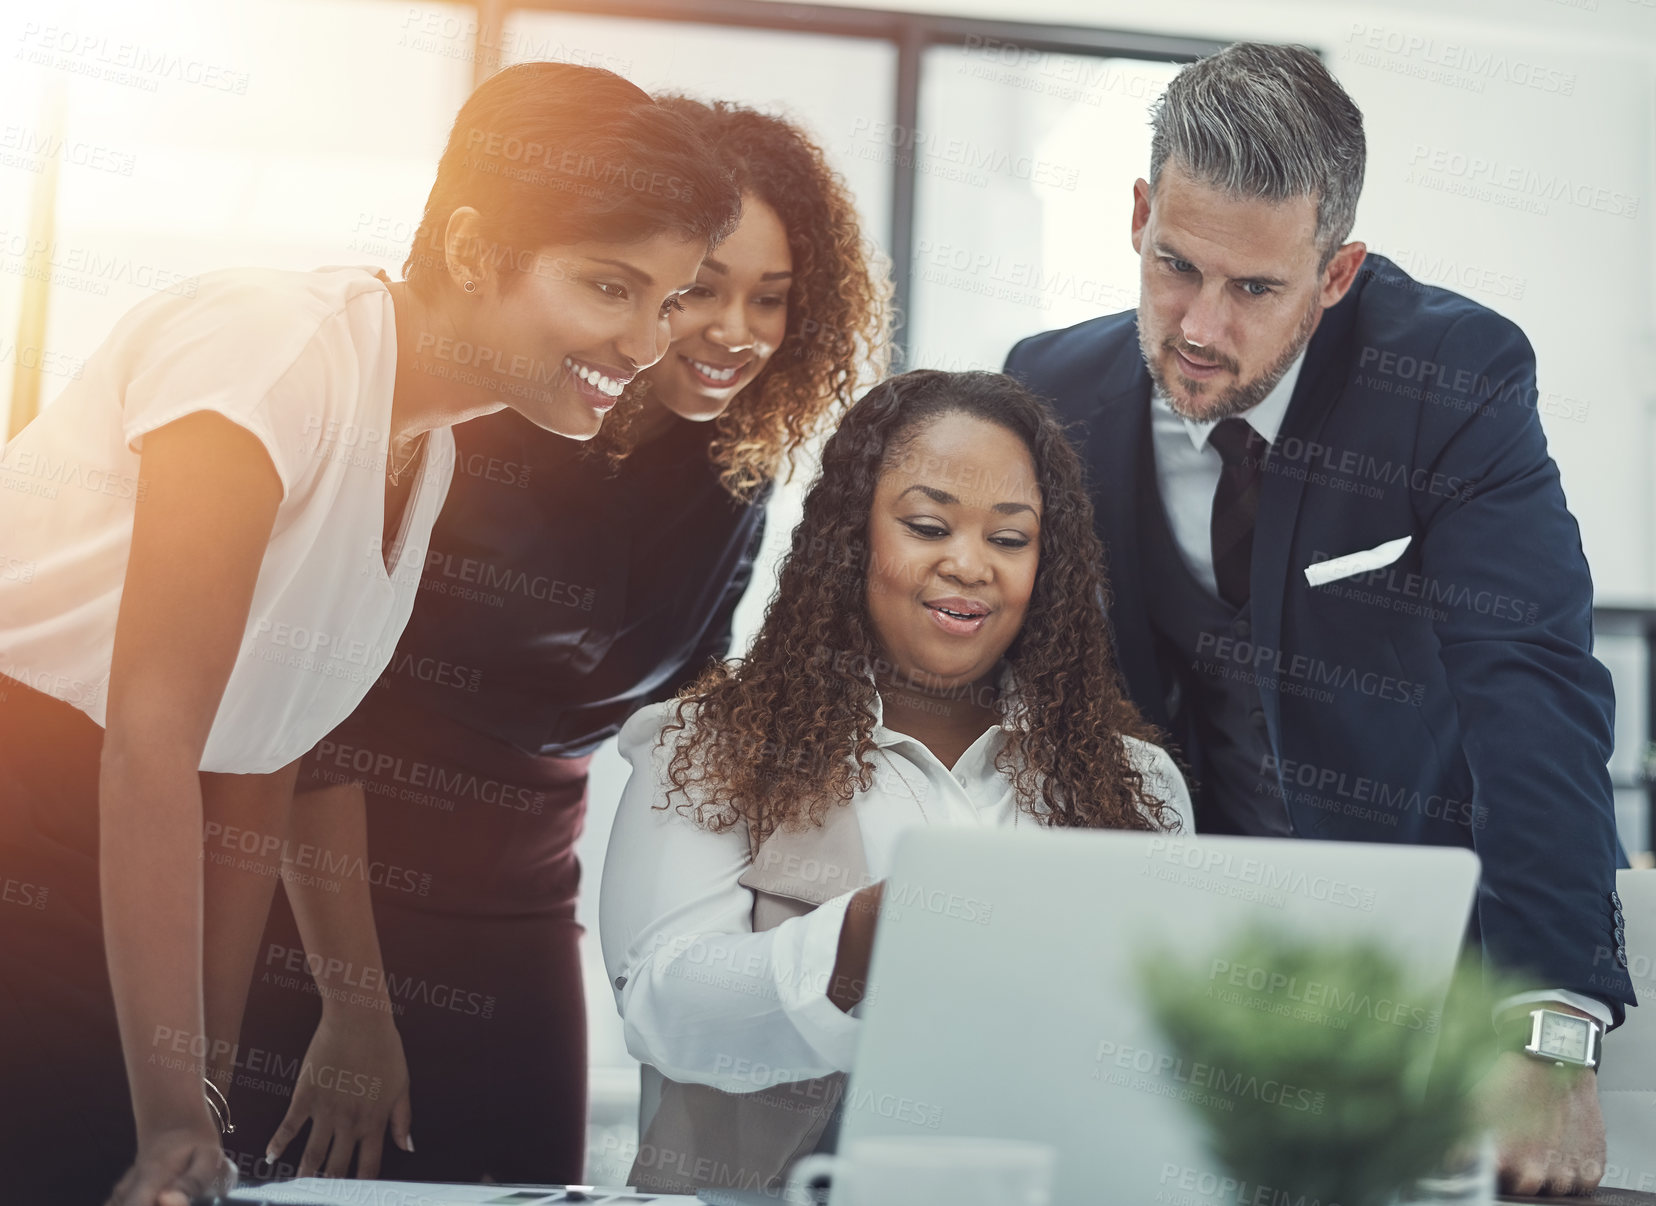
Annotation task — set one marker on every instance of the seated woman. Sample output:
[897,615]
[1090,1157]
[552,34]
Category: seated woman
[935,654]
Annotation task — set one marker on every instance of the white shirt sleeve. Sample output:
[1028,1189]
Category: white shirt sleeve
[1558,996]
[1163,780]
[277,363]
[702,997]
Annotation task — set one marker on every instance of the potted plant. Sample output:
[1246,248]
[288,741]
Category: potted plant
[1382,1069]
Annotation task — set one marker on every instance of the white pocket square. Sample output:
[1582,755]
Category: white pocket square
[1323,572]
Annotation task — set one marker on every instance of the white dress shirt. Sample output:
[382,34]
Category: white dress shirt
[1187,474]
[1188,467]
[708,1001]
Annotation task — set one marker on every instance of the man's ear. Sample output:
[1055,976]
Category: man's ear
[1141,212]
[1341,272]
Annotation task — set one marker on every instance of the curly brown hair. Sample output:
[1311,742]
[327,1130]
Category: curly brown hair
[839,305]
[785,734]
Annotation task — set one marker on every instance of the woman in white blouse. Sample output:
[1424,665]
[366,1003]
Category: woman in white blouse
[935,654]
[220,529]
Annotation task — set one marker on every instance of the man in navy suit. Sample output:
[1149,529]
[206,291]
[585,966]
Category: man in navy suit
[1344,575]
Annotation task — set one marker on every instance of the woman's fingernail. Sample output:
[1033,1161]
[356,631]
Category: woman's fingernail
[408,1142]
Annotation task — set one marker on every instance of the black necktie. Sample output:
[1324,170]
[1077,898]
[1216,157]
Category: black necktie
[1235,506]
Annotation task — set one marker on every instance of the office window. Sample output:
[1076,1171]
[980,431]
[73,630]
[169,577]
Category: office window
[1026,163]
[198,136]
[829,86]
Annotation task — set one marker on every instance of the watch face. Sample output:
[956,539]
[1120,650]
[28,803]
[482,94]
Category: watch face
[1565,1036]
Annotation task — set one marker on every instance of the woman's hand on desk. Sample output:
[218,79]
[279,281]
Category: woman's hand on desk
[856,945]
[352,1084]
[174,1166]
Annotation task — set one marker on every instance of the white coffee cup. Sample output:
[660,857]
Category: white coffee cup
[905,1170]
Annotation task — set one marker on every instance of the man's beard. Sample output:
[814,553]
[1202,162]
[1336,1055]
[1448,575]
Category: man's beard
[1243,396]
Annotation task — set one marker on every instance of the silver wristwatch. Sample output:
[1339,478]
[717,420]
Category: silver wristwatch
[1563,1038]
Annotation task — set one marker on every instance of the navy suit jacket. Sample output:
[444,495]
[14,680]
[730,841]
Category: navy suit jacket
[1449,698]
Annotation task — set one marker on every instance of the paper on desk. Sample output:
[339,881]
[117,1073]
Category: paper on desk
[322,1191]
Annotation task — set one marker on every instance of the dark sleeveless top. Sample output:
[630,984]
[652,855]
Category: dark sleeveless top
[556,597]
[559,595]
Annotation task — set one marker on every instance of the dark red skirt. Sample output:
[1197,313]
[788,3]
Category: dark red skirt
[472,864]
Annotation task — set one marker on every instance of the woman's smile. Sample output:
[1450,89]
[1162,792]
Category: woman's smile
[958,617]
[713,375]
[600,385]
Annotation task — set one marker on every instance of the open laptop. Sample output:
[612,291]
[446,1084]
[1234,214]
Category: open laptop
[1004,999]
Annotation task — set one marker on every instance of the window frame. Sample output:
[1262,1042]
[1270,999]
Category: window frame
[909,34]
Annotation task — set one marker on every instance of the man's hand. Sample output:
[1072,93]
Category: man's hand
[1547,1124]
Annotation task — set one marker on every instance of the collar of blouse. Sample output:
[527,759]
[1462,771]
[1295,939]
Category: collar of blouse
[1014,713]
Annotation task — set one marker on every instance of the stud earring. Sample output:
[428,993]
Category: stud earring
[471,286]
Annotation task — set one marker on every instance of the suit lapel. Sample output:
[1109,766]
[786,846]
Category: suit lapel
[1328,360]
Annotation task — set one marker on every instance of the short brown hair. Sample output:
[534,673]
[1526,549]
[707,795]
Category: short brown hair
[557,153]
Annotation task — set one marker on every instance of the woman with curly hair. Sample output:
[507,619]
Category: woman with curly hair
[534,637]
[820,303]
[935,654]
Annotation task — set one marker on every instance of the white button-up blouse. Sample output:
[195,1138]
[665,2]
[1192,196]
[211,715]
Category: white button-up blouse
[702,997]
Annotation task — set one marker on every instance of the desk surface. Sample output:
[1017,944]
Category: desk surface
[319,1191]
[316,1191]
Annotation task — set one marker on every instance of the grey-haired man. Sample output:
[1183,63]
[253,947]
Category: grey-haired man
[1287,438]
